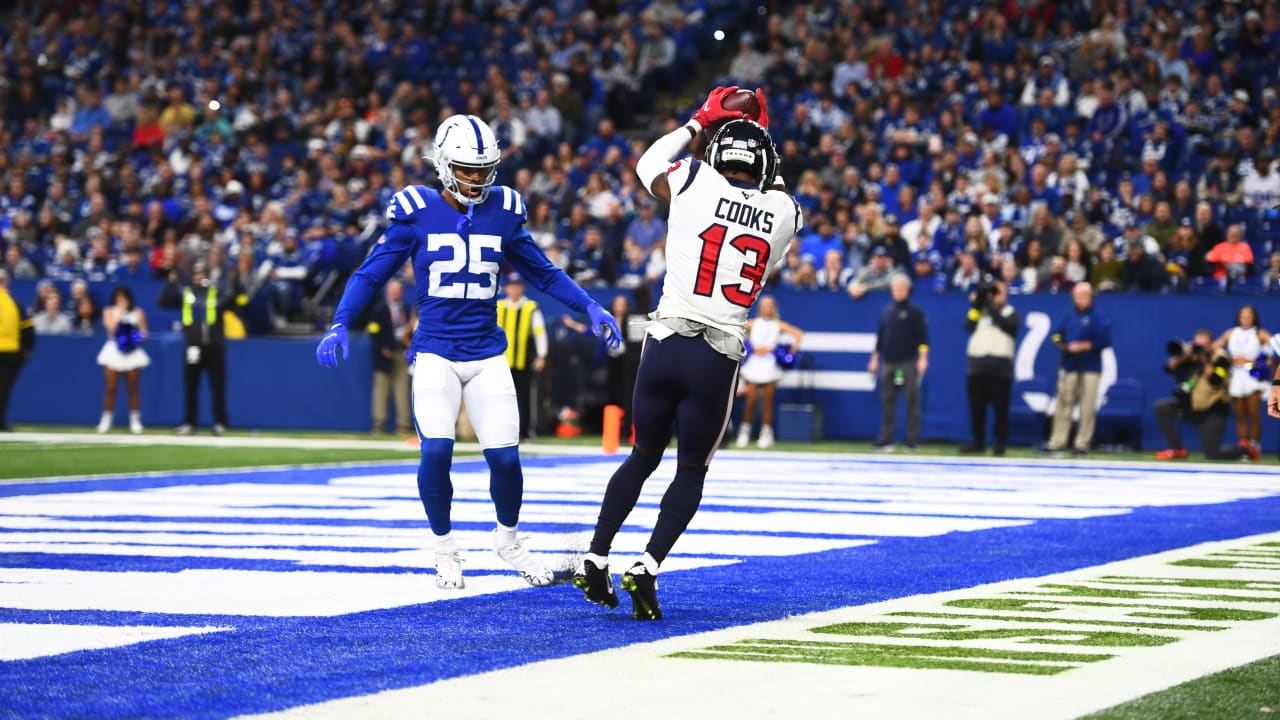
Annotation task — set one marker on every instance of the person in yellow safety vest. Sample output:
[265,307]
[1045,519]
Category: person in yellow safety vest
[17,338]
[204,338]
[522,321]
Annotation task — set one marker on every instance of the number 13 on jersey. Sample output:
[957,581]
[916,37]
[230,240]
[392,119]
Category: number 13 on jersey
[750,276]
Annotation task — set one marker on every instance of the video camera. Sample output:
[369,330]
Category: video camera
[1177,347]
[983,292]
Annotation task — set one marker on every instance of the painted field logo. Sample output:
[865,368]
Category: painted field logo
[1045,629]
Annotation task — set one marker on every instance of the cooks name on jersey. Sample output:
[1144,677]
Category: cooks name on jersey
[745,215]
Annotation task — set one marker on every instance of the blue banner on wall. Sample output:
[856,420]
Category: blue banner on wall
[276,383]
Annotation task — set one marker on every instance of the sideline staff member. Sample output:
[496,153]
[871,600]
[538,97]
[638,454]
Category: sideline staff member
[901,358]
[522,321]
[1082,335]
[204,337]
[17,338]
[992,325]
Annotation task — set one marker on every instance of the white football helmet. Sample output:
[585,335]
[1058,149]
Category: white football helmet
[466,141]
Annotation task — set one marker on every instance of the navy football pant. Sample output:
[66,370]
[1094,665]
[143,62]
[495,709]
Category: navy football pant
[683,387]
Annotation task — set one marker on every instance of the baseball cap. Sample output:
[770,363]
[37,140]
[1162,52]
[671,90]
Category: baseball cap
[1046,60]
[235,187]
[879,251]
[514,277]
[1185,222]
[890,219]
[1052,138]
[1241,95]
[990,199]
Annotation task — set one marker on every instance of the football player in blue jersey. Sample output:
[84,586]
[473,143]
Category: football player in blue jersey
[457,240]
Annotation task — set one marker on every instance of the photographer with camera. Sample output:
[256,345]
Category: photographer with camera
[992,325]
[1200,397]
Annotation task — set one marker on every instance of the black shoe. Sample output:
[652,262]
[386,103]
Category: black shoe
[972,450]
[644,592]
[1080,453]
[999,451]
[596,584]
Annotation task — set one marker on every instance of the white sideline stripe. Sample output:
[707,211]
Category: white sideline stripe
[838,342]
[829,379]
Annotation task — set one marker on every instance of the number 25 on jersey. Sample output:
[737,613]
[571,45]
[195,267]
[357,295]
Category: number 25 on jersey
[461,269]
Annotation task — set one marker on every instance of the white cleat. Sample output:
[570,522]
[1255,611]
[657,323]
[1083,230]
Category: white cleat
[529,566]
[135,427]
[449,570]
[744,437]
[104,426]
[766,438]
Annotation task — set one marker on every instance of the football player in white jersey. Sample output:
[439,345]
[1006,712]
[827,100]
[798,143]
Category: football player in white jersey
[729,224]
[457,240]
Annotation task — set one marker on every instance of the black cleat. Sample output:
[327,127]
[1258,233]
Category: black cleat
[596,584]
[644,592]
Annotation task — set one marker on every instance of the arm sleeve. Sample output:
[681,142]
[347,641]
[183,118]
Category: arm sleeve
[388,256]
[922,330]
[529,260]
[662,153]
[26,331]
[880,335]
[539,330]
[1008,321]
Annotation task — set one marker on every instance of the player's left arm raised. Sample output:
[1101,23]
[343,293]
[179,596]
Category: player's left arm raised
[387,256]
[525,255]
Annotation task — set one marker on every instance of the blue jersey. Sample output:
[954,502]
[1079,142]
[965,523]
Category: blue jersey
[456,260]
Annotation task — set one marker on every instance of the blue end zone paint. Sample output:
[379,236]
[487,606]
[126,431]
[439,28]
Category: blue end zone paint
[275,663]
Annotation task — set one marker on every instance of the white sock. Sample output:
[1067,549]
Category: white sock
[650,564]
[445,543]
[135,416]
[106,417]
[600,561]
[505,536]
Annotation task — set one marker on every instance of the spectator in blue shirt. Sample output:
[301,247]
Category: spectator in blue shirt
[999,115]
[1081,336]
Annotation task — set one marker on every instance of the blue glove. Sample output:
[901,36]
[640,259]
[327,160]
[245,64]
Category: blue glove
[602,321]
[336,338]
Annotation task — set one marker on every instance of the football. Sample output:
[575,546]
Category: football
[740,101]
[743,101]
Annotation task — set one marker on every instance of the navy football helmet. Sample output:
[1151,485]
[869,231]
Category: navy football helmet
[744,145]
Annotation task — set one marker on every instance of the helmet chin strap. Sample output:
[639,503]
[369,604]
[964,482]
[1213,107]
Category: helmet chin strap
[464,222]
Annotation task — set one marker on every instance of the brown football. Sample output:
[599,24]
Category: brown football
[743,101]
[740,101]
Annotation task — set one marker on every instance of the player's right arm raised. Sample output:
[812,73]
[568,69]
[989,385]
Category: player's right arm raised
[386,258]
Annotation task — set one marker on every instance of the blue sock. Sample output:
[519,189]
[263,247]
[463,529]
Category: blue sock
[506,483]
[434,486]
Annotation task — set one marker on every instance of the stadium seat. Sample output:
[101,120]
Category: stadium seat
[1120,417]
[1028,426]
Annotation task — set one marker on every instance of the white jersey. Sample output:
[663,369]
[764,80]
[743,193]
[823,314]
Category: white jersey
[723,241]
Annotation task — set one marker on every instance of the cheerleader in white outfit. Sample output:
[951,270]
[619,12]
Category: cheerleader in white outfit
[761,372]
[1244,343]
[122,354]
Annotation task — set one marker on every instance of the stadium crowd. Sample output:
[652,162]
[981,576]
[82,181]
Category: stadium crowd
[1129,144]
